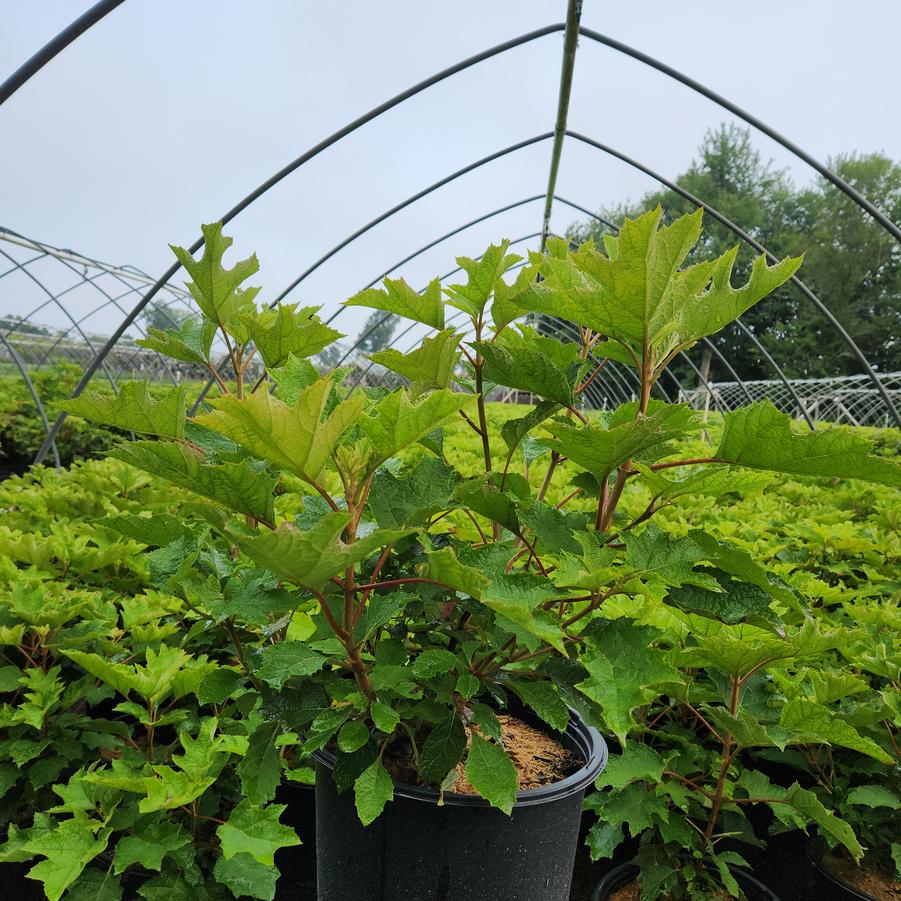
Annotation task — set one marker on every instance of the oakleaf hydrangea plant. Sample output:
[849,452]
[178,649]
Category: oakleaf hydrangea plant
[382,603]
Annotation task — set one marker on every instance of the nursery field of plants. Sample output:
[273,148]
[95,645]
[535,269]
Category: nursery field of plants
[653,647]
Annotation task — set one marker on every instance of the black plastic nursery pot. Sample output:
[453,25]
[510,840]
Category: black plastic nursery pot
[463,850]
[833,885]
[626,873]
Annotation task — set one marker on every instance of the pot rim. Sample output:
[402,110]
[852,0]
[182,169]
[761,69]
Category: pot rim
[816,848]
[584,739]
[625,873]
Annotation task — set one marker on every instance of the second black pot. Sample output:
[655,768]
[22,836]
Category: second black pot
[464,850]
[619,877]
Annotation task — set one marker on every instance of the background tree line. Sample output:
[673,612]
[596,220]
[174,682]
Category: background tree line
[851,263]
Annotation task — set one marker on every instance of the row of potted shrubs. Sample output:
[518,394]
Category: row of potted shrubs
[330,584]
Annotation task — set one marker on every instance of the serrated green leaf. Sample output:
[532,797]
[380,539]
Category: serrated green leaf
[760,437]
[352,736]
[215,288]
[190,341]
[738,602]
[413,497]
[519,597]
[148,843]
[95,884]
[286,330]
[442,749]
[134,409]
[873,796]
[555,529]
[638,762]
[255,831]
[246,877]
[218,686]
[237,486]
[491,773]
[807,803]
[291,378]
[444,567]
[156,530]
[384,718]
[68,848]
[395,422]
[279,662]
[603,839]
[433,662]
[545,699]
[299,438]
[811,723]
[398,297]
[310,558]
[259,769]
[373,789]
[514,430]
[430,365]
[518,362]
[625,671]
[600,451]
[484,275]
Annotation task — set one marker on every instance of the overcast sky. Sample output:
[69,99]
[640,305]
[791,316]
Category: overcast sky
[167,113]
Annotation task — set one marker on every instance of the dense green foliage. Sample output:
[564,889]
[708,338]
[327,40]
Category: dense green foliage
[851,262]
[340,569]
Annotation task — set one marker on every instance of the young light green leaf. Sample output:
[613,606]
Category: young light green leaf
[255,831]
[215,288]
[396,423]
[384,717]
[238,486]
[430,365]
[491,773]
[484,276]
[299,438]
[373,789]
[190,341]
[398,297]
[760,437]
[286,330]
[134,409]
[311,557]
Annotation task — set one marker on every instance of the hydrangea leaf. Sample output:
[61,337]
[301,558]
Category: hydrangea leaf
[600,451]
[519,598]
[384,717]
[256,831]
[760,437]
[292,377]
[430,365]
[637,294]
[491,773]
[398,297]
[373,789]
[311,557]
[134,409]
[433,662]
[603,839]
[277,663]
[148,843]
[68,849]
[352,736]
[260,768]
[411,498]
[444,567]
[246,877]
[514,430]
[638,762]
[811,723]
[190,341]
[286,330]
[215,288]
[738,602]
[299,438]
[873,796]
[483,276]
[545,699]
[395,422]
[624,670]
[810,806]
[443,749]
[531,362]
[238,486]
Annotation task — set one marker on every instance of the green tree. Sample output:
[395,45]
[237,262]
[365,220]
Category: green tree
[377,332]
[851,263]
